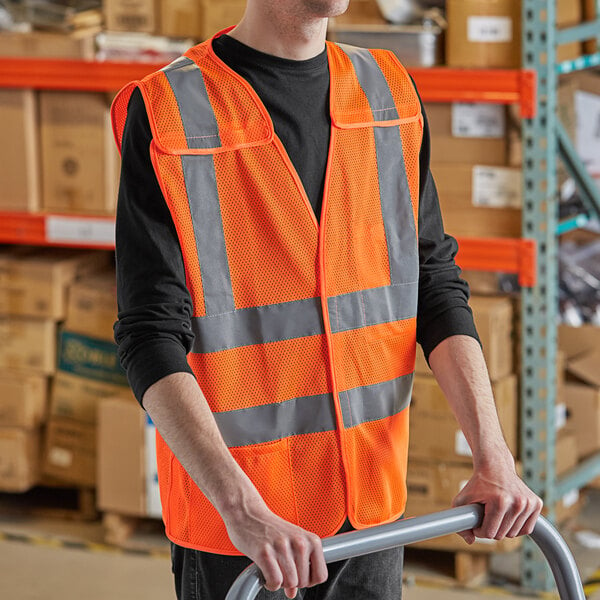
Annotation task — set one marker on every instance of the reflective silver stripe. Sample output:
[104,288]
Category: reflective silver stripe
[197,115]
[201,185]
[396,206]
[373,306]
[288,320]
[271,422]
[372,82]
[374,402]
[313,414]
[257,325]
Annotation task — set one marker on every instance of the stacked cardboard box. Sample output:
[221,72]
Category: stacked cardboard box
[440,460]
[127,473]
[198,19]
[80,162]
[487,33]
[88,370]
[480,195]
[33,291]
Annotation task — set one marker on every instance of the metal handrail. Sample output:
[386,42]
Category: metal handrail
[419,529]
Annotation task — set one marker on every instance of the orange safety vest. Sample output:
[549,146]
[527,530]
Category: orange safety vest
[305,334]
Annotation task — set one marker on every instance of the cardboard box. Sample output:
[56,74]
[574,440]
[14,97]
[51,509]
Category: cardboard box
[78,398]
[479,200]
[79,158]
[493,317]
[19,160]
[88,370]
[70,452]
[127,473]
[589,13]
[33,282]
[132,15]
[577,341]
[483,33]
[28,344]
[19,459]
[42,44]
[23,399]
[437,482]
[435,433]
[565,451]
[467,133]
[583,406]
[92,306]
[199,19]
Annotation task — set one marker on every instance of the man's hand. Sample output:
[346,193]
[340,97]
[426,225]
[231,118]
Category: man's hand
[511,508]
[288,556]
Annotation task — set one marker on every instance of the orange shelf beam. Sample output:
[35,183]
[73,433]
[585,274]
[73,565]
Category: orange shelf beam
[438,84]
[76,231]
[504,255]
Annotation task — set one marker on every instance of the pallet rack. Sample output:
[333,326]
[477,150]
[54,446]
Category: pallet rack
[544,139]
[533,257]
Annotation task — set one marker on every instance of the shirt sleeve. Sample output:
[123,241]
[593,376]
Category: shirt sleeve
[153,331]
[443,308]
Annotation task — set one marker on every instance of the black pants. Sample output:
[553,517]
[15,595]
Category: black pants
[205,576]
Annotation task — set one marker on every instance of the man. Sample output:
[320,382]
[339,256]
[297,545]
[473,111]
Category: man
[271,195]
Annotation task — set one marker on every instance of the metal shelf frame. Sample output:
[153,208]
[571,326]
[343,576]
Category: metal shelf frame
[543,139]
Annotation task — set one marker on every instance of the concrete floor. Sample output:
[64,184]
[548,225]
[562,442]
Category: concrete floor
[45,559]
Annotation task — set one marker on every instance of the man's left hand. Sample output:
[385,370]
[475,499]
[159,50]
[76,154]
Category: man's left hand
[511,508]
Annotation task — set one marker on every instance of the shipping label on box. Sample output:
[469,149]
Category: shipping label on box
[497,187]
[70,452]
[478,120]
[488,29]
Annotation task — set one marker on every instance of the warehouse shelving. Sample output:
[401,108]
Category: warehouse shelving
[533,257]
[544,139]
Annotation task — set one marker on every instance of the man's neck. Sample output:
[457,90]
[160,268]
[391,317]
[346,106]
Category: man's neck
[274,32]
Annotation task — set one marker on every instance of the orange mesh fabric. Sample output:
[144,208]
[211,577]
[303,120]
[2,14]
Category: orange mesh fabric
[373,354]
[349,101]
[321,492]
[377,464]
[269,230]
[261,374]
[355,242]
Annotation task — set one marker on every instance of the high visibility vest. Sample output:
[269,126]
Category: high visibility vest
[305,333]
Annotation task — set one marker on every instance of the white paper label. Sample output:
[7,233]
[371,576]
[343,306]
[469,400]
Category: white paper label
[478,120]
[77,230]
[153,506]
[587,136]
[571,498]
[560,417]
[461,446]
[498,187]
[489,29]
[61,457]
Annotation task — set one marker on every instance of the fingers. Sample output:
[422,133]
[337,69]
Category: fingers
[507,516]
[293,562]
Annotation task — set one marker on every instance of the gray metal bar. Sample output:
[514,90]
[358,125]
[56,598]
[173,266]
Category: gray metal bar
[579,476]
[579,33]
[418,529]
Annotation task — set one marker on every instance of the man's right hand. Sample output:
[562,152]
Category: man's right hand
[288,556]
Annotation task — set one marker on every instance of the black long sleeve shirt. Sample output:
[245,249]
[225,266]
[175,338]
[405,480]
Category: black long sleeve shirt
[153,330]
